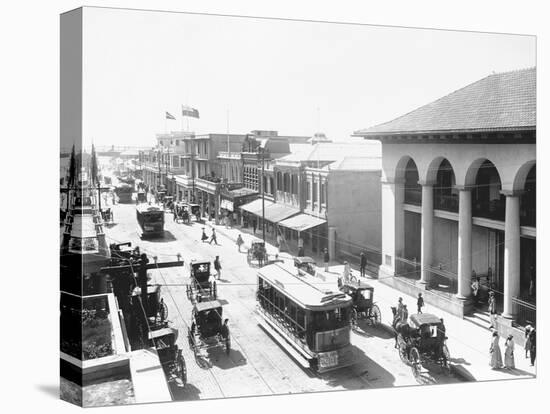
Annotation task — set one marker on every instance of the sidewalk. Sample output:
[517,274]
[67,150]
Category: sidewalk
[468,343]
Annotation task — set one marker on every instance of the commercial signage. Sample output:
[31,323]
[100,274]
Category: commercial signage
[227,204]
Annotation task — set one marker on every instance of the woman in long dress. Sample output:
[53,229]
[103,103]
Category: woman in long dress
[509,353]
[496,356]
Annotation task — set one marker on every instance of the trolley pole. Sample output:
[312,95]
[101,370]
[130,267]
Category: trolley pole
[263,192]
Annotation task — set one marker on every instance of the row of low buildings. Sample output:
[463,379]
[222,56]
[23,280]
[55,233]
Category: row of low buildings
[435,197]
[326,193]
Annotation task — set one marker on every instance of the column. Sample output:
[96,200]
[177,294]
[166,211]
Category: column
[511,252]
[464,273]
[393,219]
[209,205]
[332,242]
[217,208]
[202,202]
[426,236]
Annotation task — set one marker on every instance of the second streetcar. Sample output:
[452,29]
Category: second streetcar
[311,322]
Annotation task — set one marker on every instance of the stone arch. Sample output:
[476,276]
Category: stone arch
[485,181]
[521,175]
[401,166]
[434,167]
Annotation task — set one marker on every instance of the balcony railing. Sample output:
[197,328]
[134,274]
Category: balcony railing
[413,197]
[229,155]
[528,217]
[446,202]
[526,312]
[494,210]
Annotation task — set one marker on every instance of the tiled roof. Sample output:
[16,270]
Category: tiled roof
[497,102]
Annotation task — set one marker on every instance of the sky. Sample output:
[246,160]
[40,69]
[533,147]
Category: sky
[294,77]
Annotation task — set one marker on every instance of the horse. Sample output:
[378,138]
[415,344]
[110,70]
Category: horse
[399,326]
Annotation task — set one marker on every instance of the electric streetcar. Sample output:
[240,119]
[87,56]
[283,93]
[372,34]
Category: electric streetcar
[311,322]
[150,219]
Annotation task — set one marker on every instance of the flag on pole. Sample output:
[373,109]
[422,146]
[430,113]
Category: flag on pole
[188,111]
[170,116]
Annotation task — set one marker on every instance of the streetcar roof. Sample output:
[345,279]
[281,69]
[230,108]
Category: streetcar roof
[309,291]
[146,208]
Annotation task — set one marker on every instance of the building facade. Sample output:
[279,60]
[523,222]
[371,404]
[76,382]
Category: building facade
[459,196]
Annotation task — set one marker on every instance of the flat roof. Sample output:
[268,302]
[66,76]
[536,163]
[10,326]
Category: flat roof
[308,291]
[424,318]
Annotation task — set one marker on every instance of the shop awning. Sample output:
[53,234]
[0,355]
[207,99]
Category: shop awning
[277,212]
[302,222]
[255,206]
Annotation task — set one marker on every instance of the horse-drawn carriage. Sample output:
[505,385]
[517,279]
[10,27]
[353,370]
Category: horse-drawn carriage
[107,215]
[364,307]
[201,285]
[305,264]
[156,309]
[207,330]
[420,340]
[258,252]
[170,355]
[141,197]
[181,213]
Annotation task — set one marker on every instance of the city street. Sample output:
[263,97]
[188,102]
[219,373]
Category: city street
[256,365]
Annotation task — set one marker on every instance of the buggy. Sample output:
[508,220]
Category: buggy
[423,339]
[201,286]
[181,213]
[207,330]
[258,252]
[364,307]
[170,355]
[156,310]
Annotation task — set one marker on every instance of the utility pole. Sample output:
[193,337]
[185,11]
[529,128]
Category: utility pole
[262,151]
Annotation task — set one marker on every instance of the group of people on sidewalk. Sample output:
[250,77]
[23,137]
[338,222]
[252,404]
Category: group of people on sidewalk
[509,361]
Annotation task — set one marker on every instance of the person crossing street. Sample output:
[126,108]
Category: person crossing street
[213,237]
[218,267]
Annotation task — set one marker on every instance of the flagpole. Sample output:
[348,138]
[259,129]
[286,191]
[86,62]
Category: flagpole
[227,132]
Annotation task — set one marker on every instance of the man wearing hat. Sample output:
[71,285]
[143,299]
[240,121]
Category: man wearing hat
[492,308]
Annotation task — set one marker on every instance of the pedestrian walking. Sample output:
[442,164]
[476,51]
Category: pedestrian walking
[218,267]
[475,289]
[533,345]
[204,237]
[509,352]
[300,246]
[326,259]
[419,303]
[363,264]
[527,340]
[494,351]
[240,242]
[347,272]
[492,308]
[254,225]
[213,237]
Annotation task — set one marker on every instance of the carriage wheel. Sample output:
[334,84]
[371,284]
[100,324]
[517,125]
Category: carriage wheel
[376,315]
[402,345]
[414,359]
[445,359]
[163,311]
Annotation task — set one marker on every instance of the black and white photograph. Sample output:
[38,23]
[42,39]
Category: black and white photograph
[292,206]
[292,211]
